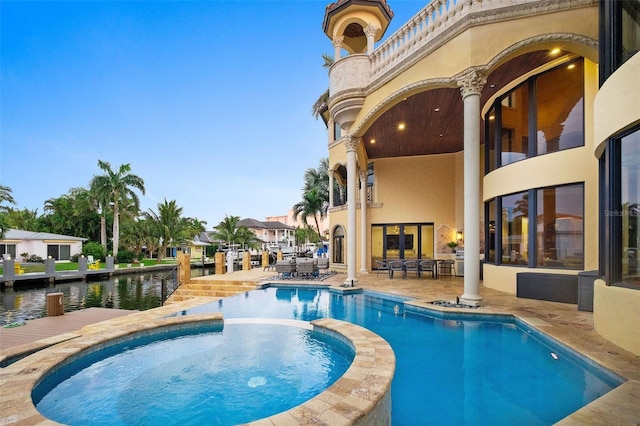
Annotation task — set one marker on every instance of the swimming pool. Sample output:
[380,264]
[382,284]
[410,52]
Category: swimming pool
[225,375]
[449,370]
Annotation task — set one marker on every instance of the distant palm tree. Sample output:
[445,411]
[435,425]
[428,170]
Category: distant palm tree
[170,226]
[5,196]
[323,101]
[315,194]
[116,187]
[313,204]
[229,231]
[25,219]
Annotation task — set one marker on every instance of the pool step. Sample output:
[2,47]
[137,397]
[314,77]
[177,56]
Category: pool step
[214,289]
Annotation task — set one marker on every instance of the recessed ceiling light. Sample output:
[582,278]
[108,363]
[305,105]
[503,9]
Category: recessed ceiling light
[571,66]
[555,51]
[492,86]
[437,109]
[373,141]
[491,117]
[440,134]
[401,126]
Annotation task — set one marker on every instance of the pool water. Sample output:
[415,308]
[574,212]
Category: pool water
[448,371]
[227,376]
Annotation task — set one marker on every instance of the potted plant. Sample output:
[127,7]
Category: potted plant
[452,245]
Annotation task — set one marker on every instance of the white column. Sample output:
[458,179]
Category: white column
[470,87]
[330,171]
[337,47]
[363,222]
[370,32]
[350,144]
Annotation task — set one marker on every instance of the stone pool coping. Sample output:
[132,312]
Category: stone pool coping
[361,396]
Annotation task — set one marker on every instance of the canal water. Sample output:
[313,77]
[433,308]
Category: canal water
[136,291]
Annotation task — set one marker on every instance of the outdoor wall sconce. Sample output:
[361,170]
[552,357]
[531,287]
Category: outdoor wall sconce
[459,235]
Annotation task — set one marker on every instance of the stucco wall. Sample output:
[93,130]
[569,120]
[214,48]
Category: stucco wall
[616,315]
[617,105]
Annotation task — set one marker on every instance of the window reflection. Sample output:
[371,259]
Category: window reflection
[559,101]
[515,125]
[560,229]
[543,115]
[630,212]
[515,212]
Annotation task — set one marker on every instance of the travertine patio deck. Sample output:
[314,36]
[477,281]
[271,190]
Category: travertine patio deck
[561,321]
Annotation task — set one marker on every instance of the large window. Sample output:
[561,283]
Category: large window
[630,206]
[370,181]
[559,227]
[543,115]
[515,228]
[513,121]
[8,250]
[620,217]
[619,34]
[540,227]
[59,252]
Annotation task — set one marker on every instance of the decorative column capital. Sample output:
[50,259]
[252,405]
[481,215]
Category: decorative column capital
[471,83]
[363,176]
[337,41]
[351,143]
[370,30]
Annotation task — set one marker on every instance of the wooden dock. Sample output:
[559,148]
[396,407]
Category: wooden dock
[43,328]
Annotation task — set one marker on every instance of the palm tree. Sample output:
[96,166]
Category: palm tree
[323,101]
[24,219]
[116,187]
[313,204]
[170,226]
[315,194]
[229,231]
[5,196]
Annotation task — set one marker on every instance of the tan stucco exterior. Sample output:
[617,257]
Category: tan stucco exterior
[617,105]
[431,189]
[616,315]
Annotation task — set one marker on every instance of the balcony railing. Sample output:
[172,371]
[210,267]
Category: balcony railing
[440,15]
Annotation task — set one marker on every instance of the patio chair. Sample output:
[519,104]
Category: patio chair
[381,266]
[396,266]
[428,266]
[323,264]
[447,268]
[306,267]
[411,267]
[285,268]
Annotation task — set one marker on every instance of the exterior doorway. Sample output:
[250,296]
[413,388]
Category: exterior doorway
[401,241]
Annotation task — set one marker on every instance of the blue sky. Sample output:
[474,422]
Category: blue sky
[209,101]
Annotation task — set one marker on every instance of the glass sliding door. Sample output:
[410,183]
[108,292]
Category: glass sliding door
[401,241]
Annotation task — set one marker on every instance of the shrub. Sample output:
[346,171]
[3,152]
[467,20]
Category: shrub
[125,256]
[94,249]
[34,259]
[74,258]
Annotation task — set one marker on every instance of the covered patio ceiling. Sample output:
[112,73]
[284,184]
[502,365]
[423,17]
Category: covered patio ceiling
[431,122]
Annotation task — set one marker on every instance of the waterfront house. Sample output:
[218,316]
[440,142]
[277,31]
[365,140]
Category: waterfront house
[510,128]
[41,244]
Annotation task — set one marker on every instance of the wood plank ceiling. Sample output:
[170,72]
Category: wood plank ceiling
[433,120]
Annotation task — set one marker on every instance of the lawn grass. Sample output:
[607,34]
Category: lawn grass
[73,266]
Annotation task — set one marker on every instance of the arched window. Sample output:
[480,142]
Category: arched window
[338,244]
